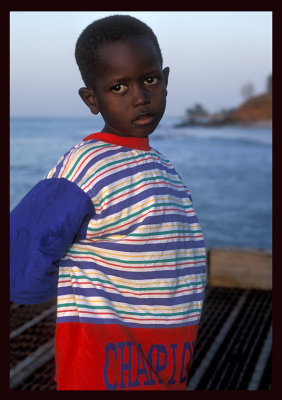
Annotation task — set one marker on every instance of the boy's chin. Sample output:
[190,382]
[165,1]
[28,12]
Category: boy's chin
[138,132]
[144,131]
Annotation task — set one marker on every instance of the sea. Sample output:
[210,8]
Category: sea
[228,170]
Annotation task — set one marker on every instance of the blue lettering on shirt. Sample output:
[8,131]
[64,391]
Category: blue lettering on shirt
[119,361]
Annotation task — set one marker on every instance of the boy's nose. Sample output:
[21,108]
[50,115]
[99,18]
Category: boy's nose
[140,97]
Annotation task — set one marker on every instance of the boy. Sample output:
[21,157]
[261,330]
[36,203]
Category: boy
[112,232]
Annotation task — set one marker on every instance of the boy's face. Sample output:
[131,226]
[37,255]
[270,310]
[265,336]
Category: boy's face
[129,88]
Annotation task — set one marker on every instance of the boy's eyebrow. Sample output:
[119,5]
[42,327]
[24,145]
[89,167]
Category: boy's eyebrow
[154,71]
[116,80]
[124,78]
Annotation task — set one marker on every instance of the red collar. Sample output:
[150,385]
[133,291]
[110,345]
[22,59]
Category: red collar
[125,141]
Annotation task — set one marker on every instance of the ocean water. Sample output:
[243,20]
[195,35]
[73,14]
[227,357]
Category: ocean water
[228,170]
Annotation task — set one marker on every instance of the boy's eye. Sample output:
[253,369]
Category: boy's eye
[151,80]
[119,88]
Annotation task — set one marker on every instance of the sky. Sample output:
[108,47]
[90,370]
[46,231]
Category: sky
[212,56]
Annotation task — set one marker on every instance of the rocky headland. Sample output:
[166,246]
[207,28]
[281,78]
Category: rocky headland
[257,110]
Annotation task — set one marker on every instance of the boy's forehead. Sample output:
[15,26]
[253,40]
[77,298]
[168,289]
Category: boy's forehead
[127,53]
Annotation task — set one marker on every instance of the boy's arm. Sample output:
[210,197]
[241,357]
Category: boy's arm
[42,228]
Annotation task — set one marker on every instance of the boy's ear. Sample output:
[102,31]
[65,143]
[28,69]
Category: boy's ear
[165,74]
[89,98]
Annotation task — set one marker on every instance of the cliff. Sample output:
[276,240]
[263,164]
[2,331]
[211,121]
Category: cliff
[256,109]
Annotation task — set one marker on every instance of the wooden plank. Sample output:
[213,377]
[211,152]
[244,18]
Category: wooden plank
[240,268]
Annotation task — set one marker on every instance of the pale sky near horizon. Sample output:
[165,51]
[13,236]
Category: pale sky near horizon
[211,56]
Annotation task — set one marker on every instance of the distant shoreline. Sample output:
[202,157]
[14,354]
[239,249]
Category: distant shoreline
[263,124]
[256,111]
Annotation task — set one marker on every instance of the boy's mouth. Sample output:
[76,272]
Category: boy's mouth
[143,119]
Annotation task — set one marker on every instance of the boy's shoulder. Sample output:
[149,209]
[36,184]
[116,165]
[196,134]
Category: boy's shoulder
[79,156]
[86,148]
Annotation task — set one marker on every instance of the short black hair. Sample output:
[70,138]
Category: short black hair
[101,31]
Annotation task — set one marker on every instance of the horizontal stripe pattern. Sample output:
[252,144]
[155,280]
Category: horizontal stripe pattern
[142,262]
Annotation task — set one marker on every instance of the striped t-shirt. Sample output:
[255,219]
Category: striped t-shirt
[132,274]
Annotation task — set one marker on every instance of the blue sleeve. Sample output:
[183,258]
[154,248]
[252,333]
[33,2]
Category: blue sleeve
[42,227]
